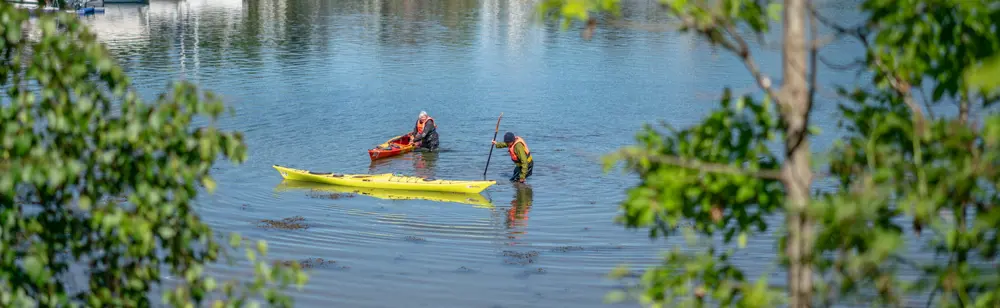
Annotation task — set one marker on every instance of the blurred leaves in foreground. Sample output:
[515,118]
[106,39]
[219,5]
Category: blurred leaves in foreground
[94,179]
[985,76]
[915,212]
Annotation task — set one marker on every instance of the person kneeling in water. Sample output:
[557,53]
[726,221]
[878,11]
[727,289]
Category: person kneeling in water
[425,136]
[519,153]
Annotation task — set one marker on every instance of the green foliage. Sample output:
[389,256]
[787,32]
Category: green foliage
[986,76]
[695,280]
[931,39]
[731,202]
[76,141]
[897,165]
[903,173]
[580,10]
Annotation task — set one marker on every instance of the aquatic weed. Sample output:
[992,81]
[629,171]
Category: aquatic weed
[520,258]
[307,263]
[290,223]
[327,195]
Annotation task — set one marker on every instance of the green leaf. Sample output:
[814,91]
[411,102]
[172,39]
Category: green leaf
[615,297]
[301,278]
[35,269]
[235,239]
[774,10]
[210,284]
[744,193]
[985,76]
[166,232]
[618,272]
[85,203]
[262,247]
[209,184]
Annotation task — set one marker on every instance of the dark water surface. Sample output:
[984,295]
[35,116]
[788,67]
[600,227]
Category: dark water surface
[316,83]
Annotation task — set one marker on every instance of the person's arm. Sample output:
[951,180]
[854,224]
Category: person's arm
[429,128]
[522,157]
[499,145]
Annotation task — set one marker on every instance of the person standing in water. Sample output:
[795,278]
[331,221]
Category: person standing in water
[424,133]
[519,154]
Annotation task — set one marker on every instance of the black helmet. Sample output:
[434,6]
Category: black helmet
[508,137]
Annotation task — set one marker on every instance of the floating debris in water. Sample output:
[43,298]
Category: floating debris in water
[567,248]
[308,263]
[521,258]
[312,263]
[528,273]
[410,238]
[464,269]
[317,194]
[290,223]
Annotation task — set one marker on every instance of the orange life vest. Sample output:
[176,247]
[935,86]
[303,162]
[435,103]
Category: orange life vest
[420,124]
[513,155]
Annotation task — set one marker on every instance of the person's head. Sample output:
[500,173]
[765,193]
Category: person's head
[508,137]
[423,115]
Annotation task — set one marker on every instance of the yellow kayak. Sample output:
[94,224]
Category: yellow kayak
[384,180]
[390,194]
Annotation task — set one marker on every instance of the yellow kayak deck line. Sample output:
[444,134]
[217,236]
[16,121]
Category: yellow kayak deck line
[384,180]
[389,194]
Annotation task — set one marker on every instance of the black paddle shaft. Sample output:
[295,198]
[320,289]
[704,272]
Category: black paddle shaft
[492,146]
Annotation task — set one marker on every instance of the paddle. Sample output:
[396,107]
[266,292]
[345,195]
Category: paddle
[491,146]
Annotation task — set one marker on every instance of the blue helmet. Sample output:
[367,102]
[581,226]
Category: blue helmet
[508,137]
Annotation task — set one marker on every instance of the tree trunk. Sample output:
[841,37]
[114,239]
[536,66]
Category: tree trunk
[796,172]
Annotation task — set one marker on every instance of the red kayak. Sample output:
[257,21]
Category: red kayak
[395,146]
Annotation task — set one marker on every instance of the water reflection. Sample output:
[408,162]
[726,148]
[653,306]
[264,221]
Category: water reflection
[241,32]
[335,192]
[517,215]
[423,163]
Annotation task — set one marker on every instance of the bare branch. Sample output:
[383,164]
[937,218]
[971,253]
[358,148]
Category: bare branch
[741,48]
[695,164]
[907,262]
[930,299]
[743,51]
[840,30]
[823,41]
[927,102]
[903,88]
[852,65]
[898,84]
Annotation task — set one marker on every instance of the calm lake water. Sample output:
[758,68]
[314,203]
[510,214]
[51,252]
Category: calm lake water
[317,83]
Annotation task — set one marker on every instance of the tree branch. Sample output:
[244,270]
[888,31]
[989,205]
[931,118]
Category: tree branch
[927,102]
[898,84]
[743,50]
[740,47]
[695,164]
[852,65]
[823,41]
